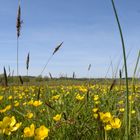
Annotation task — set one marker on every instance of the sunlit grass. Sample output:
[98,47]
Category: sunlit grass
[62,112]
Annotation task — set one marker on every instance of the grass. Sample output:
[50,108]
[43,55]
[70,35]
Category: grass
[69,108]
[127,131]
[78,120]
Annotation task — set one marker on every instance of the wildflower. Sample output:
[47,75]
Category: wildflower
[2,110]
[121,102]
[95,115]
[96,97]
[79,97]
[105,117]
[95,110]
[108,127]
[20,97]
[8,125]
[16,127]
[121,109]
[16,103]
[56,97]
[37,103]
[30,102]
[29,131]
[130,97]
[133,111]
[57,117]
[115,123]
[41,133]
[24,103]
[43,110]
[83,89]
[97,102]
[29,115]
[67,92]
[8,107]
[10,97]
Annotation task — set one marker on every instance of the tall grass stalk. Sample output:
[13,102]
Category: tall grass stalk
[21,80]
[55,50]
[27,63]
[17,57]
[18,27]
[89,79]
[127,56]
[50,75]
[46,64]
[73,75]
[5,78]
[135,70]
[127,133]
[9,72]
[120,77]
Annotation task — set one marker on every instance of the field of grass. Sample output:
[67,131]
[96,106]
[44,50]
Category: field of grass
[68,112]
[69,108]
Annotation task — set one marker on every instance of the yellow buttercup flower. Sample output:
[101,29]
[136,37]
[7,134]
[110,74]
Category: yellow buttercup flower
[130,97]
[8,107]
[2,110]
[95,116]
[41,133]
[8,125]
[95,110]
[115,123]
[16,104]
[121,109]
[96,97]
[20,97]
[79,97]
[29,131]
[16,127]
[121,102]
[29,115]
[108,127]
[57,117]
[83,89]
[133,111]
[37,103]
[10,97]
[97,102]
[56,97]
[24,103]
[105,117]
[30,102]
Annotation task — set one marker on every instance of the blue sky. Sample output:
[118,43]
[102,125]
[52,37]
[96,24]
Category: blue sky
[87,27]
